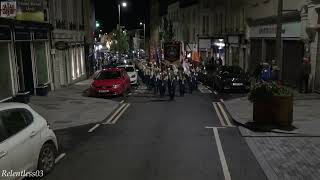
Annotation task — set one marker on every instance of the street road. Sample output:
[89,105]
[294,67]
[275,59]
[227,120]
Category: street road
[148,138]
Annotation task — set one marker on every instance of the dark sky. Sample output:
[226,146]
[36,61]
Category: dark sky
[107,13]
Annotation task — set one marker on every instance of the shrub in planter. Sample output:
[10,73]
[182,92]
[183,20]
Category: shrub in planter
[272,103]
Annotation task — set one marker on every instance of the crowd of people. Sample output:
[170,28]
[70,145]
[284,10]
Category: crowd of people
[168,79]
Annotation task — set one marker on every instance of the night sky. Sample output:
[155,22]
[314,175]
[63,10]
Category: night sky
[107,13]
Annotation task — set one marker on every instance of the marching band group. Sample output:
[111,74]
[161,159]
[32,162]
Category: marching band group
[168,79]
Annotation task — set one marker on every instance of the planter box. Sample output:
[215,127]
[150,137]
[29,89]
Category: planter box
[42,90]
[22,97]
[277,110]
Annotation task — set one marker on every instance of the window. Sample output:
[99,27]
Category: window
[15,120]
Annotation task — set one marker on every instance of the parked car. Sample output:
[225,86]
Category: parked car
[132,72]
[110,82]
[231,78]
[206,74]
[26,141]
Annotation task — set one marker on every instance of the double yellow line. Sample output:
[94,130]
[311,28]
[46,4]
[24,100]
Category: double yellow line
[117,114]
[222,115]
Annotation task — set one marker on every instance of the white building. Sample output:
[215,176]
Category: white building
[72,27]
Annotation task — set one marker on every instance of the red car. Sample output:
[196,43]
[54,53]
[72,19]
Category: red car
[110,82]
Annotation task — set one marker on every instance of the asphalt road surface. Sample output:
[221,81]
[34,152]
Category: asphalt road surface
[149,138]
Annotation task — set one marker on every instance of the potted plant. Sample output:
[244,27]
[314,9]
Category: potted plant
[272,103]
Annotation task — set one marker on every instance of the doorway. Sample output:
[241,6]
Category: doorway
[24,67]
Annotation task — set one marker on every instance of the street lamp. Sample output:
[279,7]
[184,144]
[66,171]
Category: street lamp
[123,4]
[144,34]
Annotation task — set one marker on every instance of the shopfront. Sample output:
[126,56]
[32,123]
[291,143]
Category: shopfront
[263,49]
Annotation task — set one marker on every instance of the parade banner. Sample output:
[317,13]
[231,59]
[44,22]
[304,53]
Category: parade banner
[172,51]
[30,10]
[8,9]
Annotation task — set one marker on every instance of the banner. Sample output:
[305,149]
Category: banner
[8,9]
[172,52]
[30,10]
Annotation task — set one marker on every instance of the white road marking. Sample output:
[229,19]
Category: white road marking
[218,113]
[221,100]
[225,115]
[93,128]
[120,114]
[114,114]
[61,156]
[222,157]
[122,102]
[215,92]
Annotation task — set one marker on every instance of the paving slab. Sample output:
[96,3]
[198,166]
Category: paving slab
[69,107]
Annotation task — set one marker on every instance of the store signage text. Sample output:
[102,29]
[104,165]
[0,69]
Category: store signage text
[61,45]
[269,31]
[8,9]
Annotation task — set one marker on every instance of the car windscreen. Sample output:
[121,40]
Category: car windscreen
[232,70]
[129,69]
[108,75]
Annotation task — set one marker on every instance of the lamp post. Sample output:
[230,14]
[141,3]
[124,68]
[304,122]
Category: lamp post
[144,35]
[123,4]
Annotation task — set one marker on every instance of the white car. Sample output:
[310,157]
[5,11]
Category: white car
[27,144]
[132,72]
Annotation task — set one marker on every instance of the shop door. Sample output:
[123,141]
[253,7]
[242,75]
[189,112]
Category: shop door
[270,50]
[24,65]
[255,54]
[293,52]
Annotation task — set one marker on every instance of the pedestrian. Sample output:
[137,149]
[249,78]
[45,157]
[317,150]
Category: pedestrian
[305,72]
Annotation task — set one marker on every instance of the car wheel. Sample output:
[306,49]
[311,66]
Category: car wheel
[47,158]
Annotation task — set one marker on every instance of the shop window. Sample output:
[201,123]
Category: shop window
[41,62]
[5,76]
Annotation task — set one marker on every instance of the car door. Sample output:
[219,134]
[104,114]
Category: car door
[5,156]
[23,138]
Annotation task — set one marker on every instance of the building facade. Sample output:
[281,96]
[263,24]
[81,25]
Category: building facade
[72,21]
[24,47]
[261,33]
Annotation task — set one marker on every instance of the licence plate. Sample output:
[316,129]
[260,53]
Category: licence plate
[237,84]
[103,91]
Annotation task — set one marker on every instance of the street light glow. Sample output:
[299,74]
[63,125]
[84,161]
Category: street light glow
[97,24]
[141,23]
[124,4]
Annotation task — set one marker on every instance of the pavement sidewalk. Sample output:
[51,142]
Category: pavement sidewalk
[284,154]
[69,107]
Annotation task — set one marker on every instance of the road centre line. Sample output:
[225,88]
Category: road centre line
[219,114]
[120,114]
[225,114]
[61,156]
[114,114]
[222,157]
[93,128]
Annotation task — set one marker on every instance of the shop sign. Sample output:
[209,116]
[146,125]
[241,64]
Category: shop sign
[8,9]
[233,39]
[61,45]
[204,44]
[270,31]
[30,10]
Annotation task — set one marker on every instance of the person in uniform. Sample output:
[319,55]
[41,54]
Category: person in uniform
[181,80]
[171,84]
